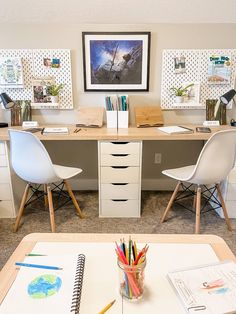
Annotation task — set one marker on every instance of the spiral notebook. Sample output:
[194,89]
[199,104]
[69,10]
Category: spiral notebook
[47,291]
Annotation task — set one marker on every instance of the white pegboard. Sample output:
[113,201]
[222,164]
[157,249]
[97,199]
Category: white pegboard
[196,63]
[32,62]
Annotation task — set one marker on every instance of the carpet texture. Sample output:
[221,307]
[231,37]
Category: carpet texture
[153,206]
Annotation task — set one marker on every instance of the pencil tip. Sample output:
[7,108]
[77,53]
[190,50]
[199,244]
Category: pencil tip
[113,301]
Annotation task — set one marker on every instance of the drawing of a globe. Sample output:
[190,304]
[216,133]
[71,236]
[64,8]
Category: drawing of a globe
[44,286]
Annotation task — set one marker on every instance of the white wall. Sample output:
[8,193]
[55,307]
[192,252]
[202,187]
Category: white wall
[163,36]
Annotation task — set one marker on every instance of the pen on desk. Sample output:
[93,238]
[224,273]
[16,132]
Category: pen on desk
[77,130]
[42,130]
[107,307]
[38,266]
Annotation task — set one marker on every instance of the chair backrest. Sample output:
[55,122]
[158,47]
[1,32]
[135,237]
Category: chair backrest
[30,159]
[216,159]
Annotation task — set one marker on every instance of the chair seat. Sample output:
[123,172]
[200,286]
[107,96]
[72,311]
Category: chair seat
[180,174]
[66,172]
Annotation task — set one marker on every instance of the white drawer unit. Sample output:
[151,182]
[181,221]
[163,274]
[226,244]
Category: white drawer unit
[119,178]
[7,208]
[2,148]
[228,188]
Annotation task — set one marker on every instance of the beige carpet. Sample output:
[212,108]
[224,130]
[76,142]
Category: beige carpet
[153,205]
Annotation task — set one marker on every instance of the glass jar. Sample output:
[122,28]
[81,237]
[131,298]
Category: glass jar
[131,280]
[21,112]
[210,109]
[16,115]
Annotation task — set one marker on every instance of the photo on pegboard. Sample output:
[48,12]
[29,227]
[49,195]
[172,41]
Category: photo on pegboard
[40,89]
[47,62]
[56,63]
[219,69]
[179,65]
[11,72]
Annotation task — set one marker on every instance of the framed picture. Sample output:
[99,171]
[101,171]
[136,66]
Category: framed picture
[219,69]
[40,91]
[116,61]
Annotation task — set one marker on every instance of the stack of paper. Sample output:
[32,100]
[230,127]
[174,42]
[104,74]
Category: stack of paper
[175,129]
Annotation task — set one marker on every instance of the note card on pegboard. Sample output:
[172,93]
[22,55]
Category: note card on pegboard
[181,67]
[40,63]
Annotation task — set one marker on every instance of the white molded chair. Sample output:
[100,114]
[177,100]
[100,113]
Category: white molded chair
[32,163]
[214,163]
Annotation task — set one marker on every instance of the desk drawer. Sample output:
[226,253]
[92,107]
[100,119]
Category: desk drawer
[231,192]
[2,148]
[120,160]
[3,161]
[6,209]
[120,175]
[127,191]
[120,148]
[124,208]
[4,175]
[232,176]
[5,191]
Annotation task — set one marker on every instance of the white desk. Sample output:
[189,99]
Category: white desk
[161,243]
[119,164]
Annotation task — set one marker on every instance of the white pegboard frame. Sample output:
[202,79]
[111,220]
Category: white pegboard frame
[197,62]
[32,64]
[62,75]
[26,56]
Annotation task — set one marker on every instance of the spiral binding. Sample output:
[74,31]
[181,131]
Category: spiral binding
[76,296]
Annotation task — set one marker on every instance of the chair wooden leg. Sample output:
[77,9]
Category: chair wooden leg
[173,196]
[73,199]
[22,207]
[198,210]
[45,195]
[51,209]
[195,197]
[228,223]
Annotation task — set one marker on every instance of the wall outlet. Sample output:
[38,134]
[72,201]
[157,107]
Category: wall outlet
[157,158]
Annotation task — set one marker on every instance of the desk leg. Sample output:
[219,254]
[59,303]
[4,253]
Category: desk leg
[173,196]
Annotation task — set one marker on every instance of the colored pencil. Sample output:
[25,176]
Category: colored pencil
[38,266]
[107,307]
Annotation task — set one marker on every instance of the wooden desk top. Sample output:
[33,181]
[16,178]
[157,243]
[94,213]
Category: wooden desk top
[9,272]
[133,133]
[84,134]
[130,134]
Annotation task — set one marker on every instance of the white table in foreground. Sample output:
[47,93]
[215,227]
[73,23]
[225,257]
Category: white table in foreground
[9,272]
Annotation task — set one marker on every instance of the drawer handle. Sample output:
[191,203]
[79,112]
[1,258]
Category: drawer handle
[118,143]
[120,155]
[119,200]
[119,183]
[120,167]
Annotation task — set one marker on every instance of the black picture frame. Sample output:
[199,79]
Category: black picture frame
[116,61]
